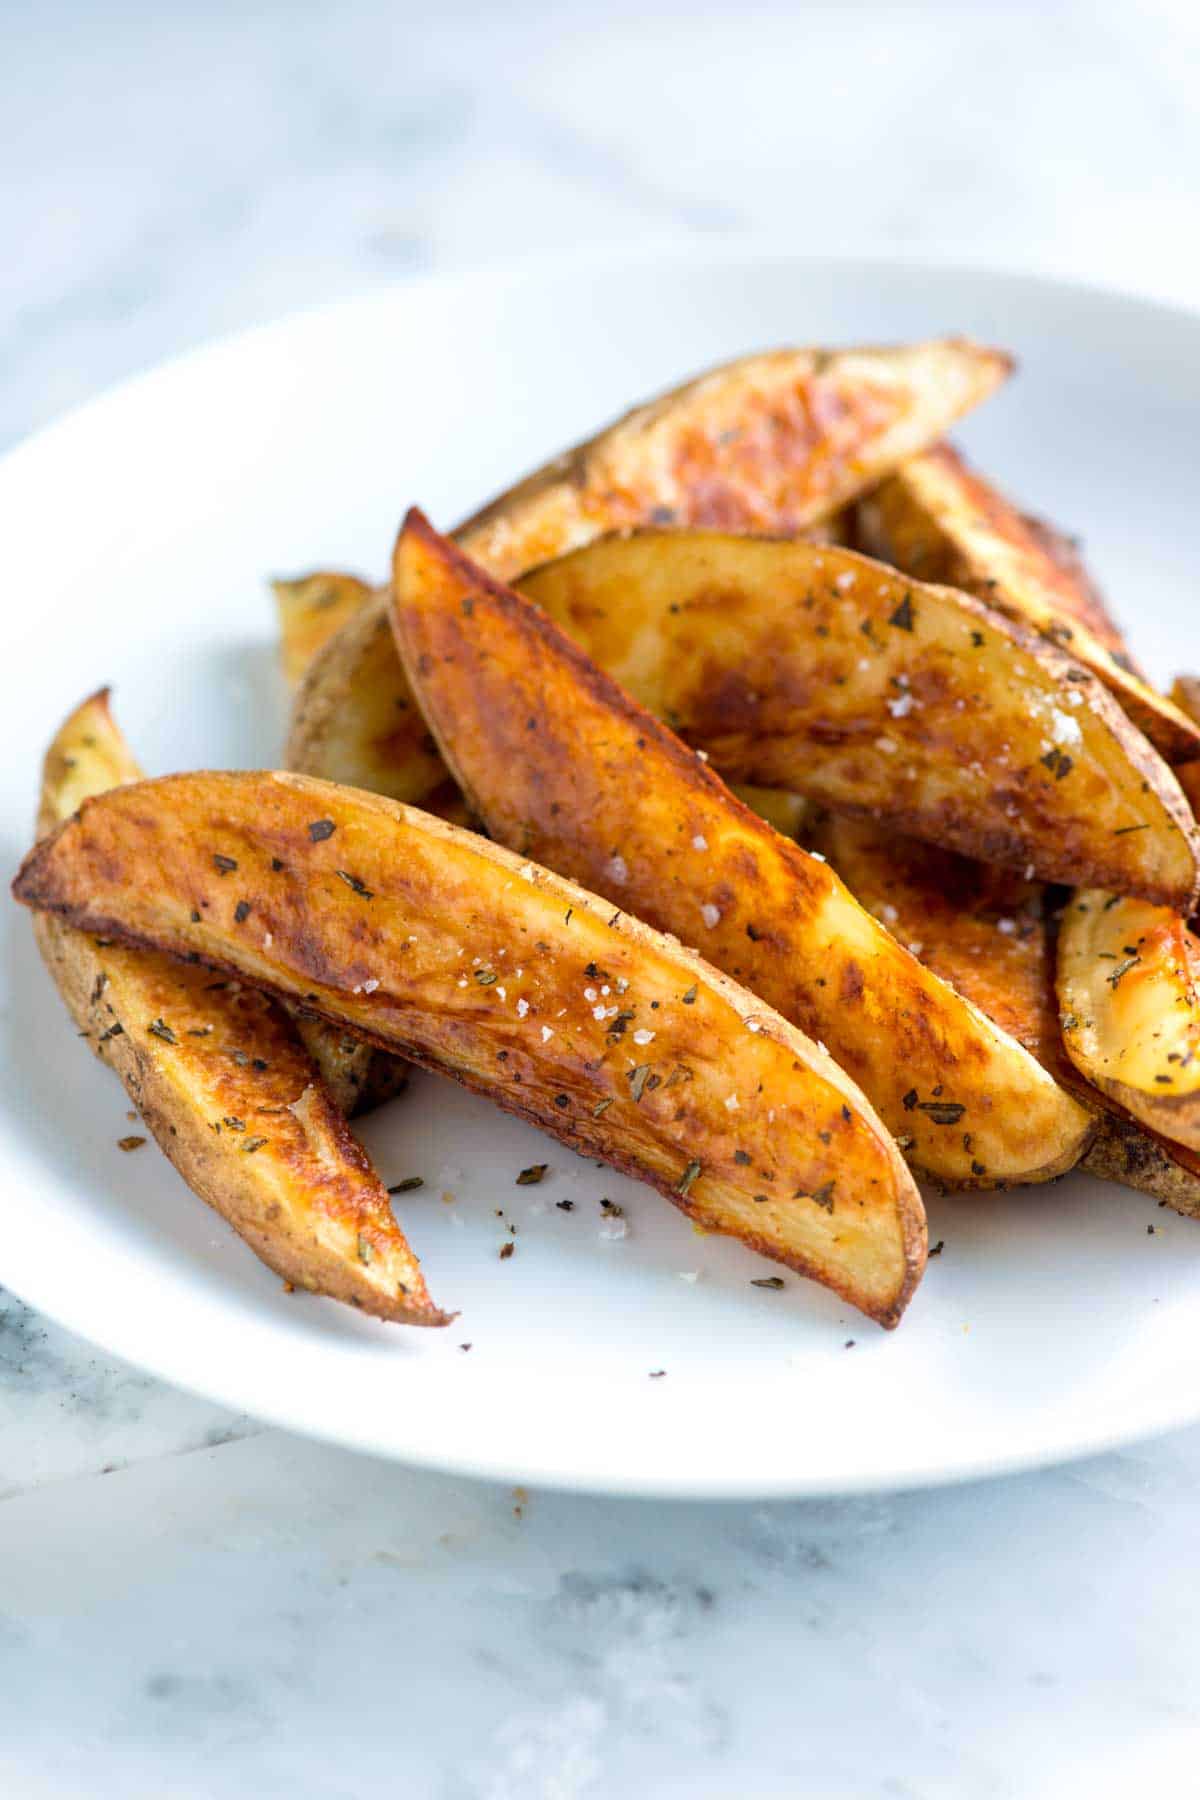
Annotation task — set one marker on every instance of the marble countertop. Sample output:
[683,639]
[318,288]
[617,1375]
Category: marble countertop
[194,1605]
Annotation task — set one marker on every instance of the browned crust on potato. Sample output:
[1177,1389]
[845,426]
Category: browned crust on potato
[980,928]
[567,768]
[775,442]
[430,941]
[987,933]
[940,521]
[223,1083]
[812,668]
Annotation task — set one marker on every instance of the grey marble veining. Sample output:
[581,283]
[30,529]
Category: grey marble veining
[193,1606]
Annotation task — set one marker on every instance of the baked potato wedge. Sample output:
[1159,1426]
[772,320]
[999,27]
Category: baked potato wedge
[564,767]
[312,609]
[222,1081]
[438,944]
[812,668]
[1185,693]
[777,442]
[986,932]
[1129,1005]
[938,520]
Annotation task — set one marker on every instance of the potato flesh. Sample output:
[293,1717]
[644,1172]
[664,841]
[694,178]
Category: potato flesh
[1129,999]
[564,767]
[779,442]
[435,943]
[814,669]
[225,1086]
[312,609]
[940,521]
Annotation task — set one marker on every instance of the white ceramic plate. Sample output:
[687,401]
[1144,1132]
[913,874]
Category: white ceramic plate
[137,535]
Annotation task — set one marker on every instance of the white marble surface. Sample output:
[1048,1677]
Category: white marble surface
[194,1606]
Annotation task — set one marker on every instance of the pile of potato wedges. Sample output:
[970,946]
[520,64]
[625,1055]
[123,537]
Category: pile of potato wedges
[754,798]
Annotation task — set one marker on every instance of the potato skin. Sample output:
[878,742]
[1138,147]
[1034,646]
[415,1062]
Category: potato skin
[940,521]
[430,941]
[226,1087]
[777,442]
[565,767]
[812,668]
[987,933]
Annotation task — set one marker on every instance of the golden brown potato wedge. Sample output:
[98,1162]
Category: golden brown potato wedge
[814,669]
[438,944]
[777,442]
[1129,1003]
[986,932]
[940,521]
[980,928]
[312,609]
[564,767]
[222,1081]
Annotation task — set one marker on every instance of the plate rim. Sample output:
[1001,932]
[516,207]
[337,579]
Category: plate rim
[271,1407]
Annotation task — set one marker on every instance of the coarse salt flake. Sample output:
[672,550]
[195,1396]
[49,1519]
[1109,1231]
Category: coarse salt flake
[643,1036]
[710,914]
[522,1008]
[547,1033]
[699,842]
[618,869]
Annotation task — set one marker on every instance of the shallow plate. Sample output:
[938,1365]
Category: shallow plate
[137,535]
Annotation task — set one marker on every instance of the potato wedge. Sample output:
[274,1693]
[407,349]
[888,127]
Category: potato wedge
[940,521]
[776,442]
[986,932]
[1185,694]
[980,928]
[465,958]
[814,669]
[312,609]
[564,767]
[1129,1003]
[223,1083]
